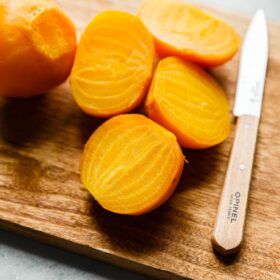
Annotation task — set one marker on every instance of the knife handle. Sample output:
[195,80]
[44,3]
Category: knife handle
[229,227]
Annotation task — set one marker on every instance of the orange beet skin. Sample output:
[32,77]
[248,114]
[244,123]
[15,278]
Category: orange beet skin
[37,47]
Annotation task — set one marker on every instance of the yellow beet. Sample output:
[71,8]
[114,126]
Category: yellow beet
[186,100]
[180,29]
[37,47]
[131,165]
[113,65]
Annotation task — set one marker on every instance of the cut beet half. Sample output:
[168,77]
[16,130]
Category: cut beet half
[131,165]
[113,65]
[182,30]
[186,100]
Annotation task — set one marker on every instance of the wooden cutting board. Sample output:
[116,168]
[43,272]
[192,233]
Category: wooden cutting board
[41,196]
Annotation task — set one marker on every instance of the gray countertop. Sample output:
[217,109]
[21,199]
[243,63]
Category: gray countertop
[24,259]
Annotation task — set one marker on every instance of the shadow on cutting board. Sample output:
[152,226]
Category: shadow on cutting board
[23,120]
[200,167]
[138,234]
[227,260]
[52,116]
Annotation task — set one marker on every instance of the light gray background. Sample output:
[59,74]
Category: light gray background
[24,259]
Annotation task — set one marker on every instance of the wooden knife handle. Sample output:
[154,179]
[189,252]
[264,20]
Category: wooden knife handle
[229,227]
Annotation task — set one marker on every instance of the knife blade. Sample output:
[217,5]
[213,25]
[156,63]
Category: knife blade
[228,231]
[252,70]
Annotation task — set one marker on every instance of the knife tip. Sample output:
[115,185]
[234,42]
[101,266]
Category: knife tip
[260,15]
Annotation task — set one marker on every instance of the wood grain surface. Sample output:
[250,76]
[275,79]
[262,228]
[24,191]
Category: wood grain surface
[41,196]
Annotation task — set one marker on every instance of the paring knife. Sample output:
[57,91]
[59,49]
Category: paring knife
[229,227]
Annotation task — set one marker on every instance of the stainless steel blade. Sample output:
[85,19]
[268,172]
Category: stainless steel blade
[252,69]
